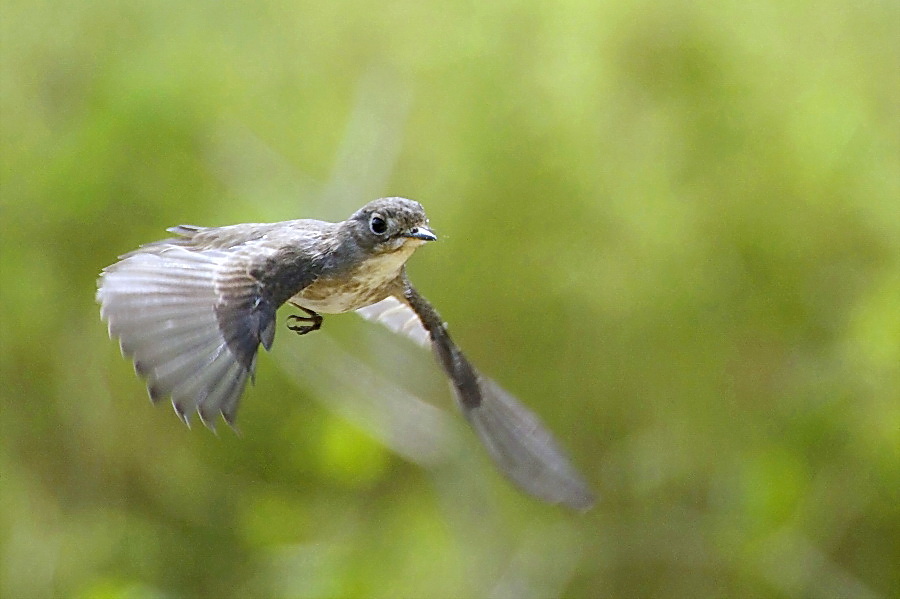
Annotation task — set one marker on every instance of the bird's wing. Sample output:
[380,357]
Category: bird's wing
[516,439]
[524,449]
[398,317]
[192,321]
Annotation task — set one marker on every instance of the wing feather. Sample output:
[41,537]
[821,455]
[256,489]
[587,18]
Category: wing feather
[192,321]
[398,317]
[524,449]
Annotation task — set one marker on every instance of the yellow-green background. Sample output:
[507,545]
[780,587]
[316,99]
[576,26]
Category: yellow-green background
[672,228]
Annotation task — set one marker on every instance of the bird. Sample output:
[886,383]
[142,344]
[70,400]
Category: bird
[191,312]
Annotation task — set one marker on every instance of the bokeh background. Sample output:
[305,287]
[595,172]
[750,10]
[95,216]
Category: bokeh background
[672,229]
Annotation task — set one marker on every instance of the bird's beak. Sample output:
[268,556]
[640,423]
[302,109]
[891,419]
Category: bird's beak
[423,233]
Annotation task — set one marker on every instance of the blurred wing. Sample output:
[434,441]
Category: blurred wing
[398,317]
[523,448]
[520,445]
[192,321]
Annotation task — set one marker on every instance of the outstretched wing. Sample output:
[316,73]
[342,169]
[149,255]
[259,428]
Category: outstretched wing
[516,439]
[192,321]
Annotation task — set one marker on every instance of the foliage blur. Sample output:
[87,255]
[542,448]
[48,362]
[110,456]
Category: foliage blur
[672,229]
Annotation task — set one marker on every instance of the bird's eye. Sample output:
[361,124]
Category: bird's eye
[377,224]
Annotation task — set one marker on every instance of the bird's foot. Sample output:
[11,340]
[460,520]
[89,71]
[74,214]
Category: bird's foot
[311,322]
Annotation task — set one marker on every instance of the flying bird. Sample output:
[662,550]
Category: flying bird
[191,312]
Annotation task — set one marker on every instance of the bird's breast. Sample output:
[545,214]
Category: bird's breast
[357,287]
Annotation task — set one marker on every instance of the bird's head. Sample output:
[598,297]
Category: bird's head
[388,225]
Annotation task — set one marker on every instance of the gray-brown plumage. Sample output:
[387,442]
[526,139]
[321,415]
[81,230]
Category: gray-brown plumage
[192,311]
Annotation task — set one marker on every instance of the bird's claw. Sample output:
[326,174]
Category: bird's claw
[311,322]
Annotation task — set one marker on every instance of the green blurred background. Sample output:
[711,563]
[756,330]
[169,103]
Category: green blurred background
[673,229]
